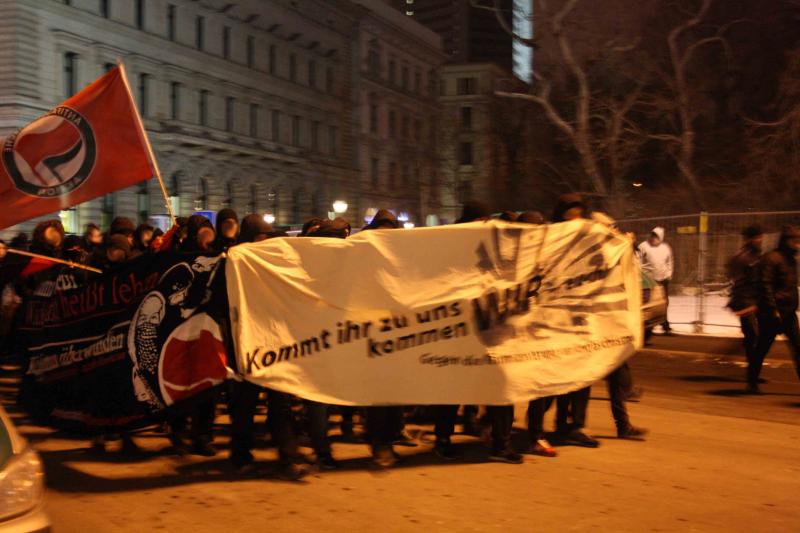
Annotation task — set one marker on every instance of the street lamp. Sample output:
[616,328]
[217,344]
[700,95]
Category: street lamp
[339,207]
[269,218]
[408,225]
[637,184]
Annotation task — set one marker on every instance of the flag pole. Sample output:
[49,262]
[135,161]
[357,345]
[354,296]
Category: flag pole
[152,154]
[54,260]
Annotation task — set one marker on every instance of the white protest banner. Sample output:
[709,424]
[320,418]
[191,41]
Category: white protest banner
[482,313]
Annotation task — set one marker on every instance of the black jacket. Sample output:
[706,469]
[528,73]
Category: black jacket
[778,287]
[743,271]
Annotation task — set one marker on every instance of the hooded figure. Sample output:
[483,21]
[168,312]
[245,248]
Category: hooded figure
[474,210]
[383,219]
[254,229]
[74,250]
[778,302]
[122,226]
[338,228]
[199,234]
[569,207]
[48,238]
[20,241]
[227,229]
[310,226]
[656,256]
[142,237]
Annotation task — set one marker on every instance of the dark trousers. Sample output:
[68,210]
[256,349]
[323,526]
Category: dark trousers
[384,424]
[536,410]
[770,326]
[619,384]
[202,421]
[243,400]
[501,418]
[750,330]
[665,324]
[318,427]
[571,410]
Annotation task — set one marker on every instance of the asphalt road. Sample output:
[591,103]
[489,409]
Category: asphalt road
[715,460]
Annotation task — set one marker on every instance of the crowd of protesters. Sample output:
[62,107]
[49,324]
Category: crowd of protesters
[290,419]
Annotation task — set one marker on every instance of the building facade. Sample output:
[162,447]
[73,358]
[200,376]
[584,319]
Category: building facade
[397,113]
[253,104]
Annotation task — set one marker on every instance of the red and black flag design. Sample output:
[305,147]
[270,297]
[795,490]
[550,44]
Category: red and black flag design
[90,145]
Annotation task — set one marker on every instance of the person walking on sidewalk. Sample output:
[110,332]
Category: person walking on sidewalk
[778,301]
[743,271]
[657,261]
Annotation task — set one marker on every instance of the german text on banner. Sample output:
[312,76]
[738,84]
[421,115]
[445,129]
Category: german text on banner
[118,350]
[90,145]
[481,313]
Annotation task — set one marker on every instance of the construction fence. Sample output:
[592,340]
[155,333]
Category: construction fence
[702,244]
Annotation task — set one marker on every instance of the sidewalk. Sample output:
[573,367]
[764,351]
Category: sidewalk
[719,321]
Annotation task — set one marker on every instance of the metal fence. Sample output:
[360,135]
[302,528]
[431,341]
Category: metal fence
[702,243]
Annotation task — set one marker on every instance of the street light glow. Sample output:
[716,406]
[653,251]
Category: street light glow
[637,184]
[269,218]
[408,225]
[339,207]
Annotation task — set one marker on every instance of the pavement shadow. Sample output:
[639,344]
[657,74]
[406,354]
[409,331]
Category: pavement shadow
[743,392]
[706,378]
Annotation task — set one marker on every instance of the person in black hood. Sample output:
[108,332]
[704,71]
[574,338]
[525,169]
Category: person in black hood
[742,270]
[227,229]
[122,226]
[48,238]
[199,234]
[255,229]
[383,219]
[142,237]
[777,303]
[243,400]
[473,211]
[92,238]
[20,241]
[74,250]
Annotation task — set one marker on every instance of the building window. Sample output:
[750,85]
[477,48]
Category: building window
[251,51]
[171,22]
[107,209]
[315,135]
[143,202]
[404,78]
[296,206]
[274,202]
[254,198]
[273,59]
[229,194]
[312,74]
[406,174]
[417,82]
[373,63]
[226,42]
[201,200]
[392,173]
[292,67]
[466,118]
[392,124]
[405,127]
[276,125]
[373,118]
[104,8]
[140,14]
[175,194]
[329,80]
[333,140]
[144,80]
[254,111]
[466,86]
[374,171]
[295,130]
[70,73]
[417,130]
[203,108]
[392,73]
[230,105]
[465,153]
[175,100]
[200,32]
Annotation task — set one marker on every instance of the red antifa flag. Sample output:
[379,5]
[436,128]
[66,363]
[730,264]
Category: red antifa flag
[90,145]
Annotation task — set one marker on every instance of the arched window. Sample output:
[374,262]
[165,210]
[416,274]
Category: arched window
[273,200]
[296,207]
[143,202]
[201,200]
[174,194]
[253,198]
[229,195]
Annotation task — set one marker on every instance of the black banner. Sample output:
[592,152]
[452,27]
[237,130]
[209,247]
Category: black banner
[119,350]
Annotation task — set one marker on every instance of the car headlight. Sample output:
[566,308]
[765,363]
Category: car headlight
[21,484]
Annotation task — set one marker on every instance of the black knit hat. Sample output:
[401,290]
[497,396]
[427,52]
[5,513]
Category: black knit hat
[383,219]
[338,228]
[252,227]
[122,226]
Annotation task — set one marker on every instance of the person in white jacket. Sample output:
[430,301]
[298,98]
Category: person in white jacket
[657,262]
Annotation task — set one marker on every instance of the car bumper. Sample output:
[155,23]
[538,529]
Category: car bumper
[34,521]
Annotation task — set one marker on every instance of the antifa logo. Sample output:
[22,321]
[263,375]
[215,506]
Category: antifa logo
[52,155]
[177,351]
